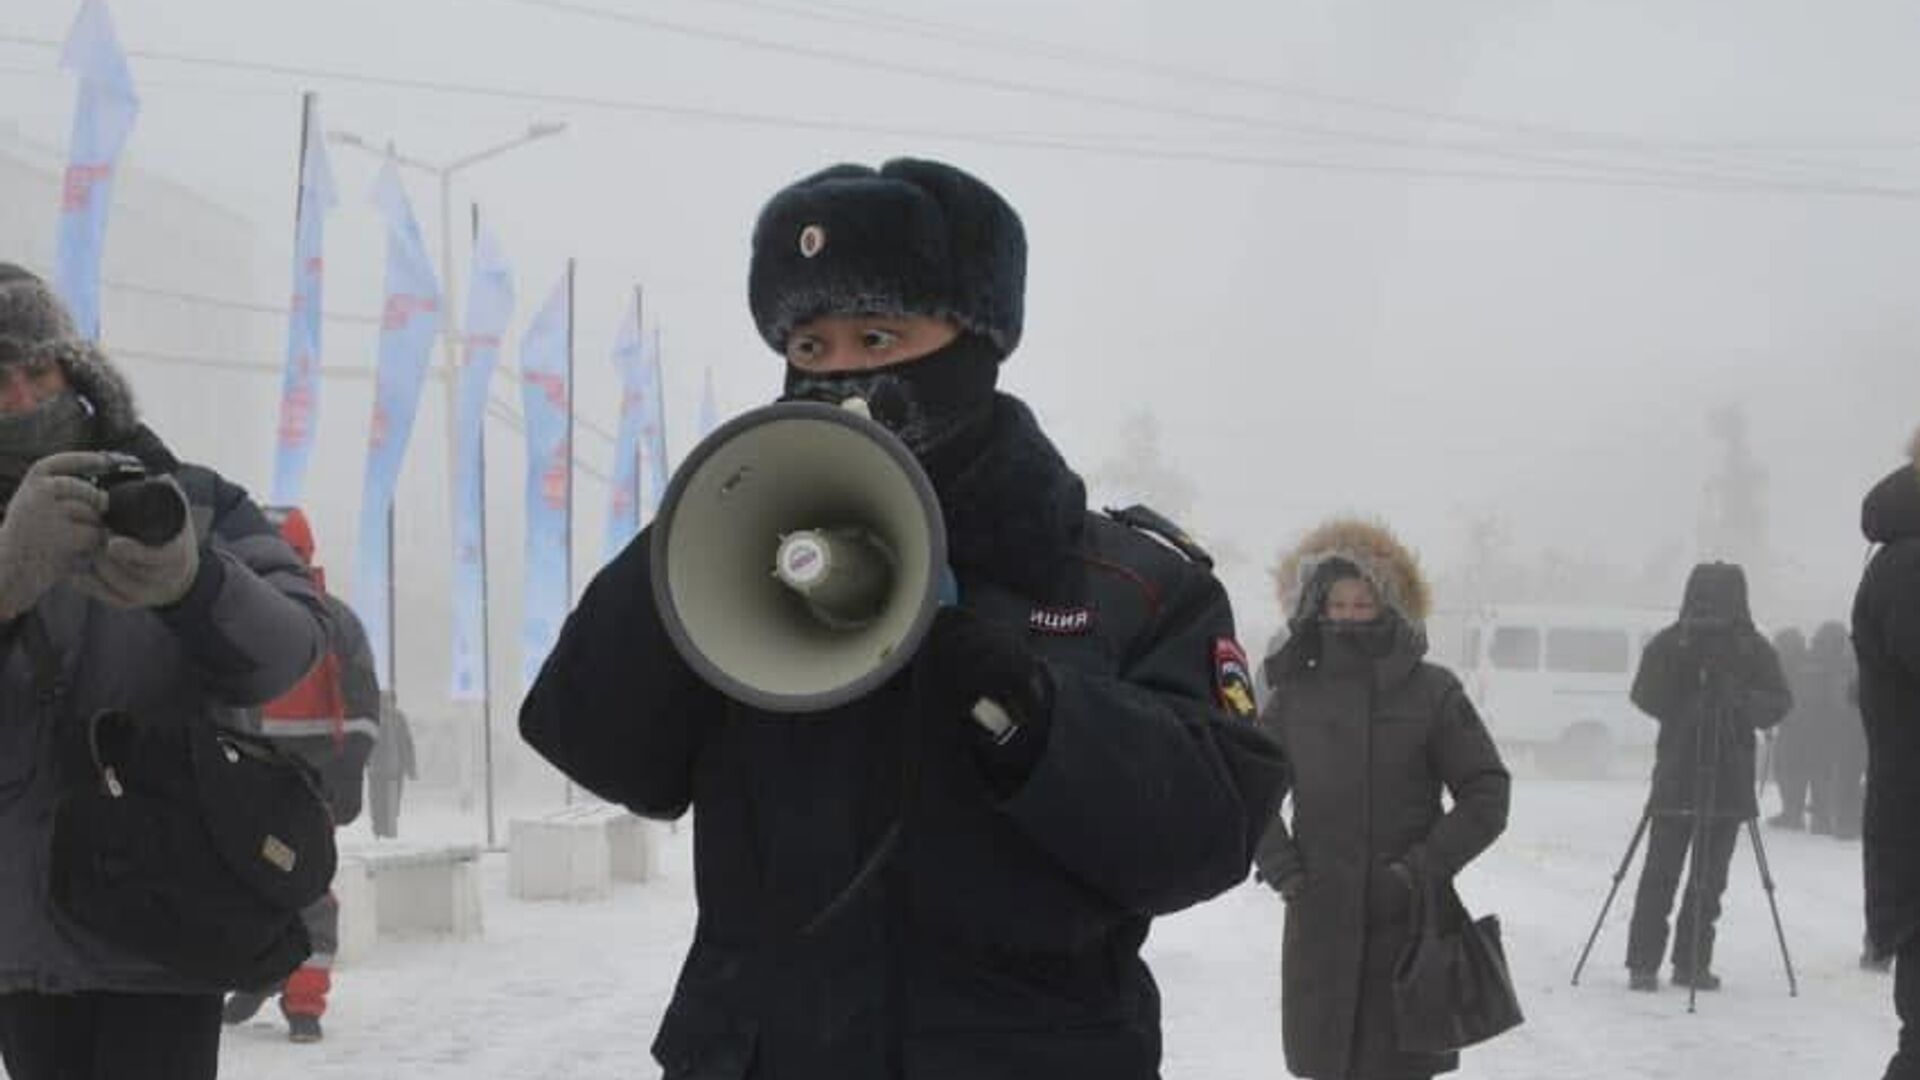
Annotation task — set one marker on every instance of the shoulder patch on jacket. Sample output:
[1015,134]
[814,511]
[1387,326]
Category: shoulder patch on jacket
[1233,678]
[1157,526]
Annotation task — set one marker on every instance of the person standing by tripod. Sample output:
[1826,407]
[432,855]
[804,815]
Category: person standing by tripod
[1711,681]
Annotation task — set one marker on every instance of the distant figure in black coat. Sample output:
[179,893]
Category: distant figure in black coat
[1886,640]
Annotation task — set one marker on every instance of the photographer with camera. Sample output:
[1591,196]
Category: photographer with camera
[1886,640]
[1000,934]
[1711,681]
[129,582]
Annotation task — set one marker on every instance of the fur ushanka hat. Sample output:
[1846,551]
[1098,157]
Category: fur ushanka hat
[36,330]
[911,238]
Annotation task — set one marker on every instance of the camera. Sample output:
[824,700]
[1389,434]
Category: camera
[121,469]
[140,505]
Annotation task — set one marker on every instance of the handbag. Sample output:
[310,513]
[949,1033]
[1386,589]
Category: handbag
[1451,987]
[188,845]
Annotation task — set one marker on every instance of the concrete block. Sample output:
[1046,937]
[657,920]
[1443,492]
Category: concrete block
[634,848]
[359,917]
[560,856]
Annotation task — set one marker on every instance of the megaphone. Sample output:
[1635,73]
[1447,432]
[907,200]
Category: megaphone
[799,557]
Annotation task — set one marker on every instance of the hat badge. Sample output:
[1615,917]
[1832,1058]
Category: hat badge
[813,240]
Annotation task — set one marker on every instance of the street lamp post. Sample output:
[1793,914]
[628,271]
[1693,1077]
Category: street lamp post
[449,343]
[444,172]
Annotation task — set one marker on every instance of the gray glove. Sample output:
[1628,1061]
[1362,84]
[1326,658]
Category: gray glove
[52,527]
[128,574]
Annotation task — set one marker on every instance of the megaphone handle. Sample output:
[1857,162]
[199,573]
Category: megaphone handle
[990,715]
[986,712]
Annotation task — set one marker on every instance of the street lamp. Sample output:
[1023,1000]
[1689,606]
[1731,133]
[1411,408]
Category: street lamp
[444,172]
[449,338]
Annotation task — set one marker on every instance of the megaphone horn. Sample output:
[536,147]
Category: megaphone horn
[798,557]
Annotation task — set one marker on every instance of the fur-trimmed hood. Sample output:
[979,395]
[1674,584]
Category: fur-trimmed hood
[1388,565]
[35,329]
[1892,509]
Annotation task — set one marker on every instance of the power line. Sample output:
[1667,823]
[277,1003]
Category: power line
[974,36]
[227,303]
[1727,147]
[263,92]
[354,373]
[1037,143]
[496,408]
[1576,140]
[518,425]
[243,367]
[921,70]
[230,304]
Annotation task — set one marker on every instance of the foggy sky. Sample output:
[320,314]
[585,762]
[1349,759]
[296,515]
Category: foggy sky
[1312,339]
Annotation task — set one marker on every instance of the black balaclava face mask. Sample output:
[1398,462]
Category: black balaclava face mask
[1373,638]
[933,402]
[61,423]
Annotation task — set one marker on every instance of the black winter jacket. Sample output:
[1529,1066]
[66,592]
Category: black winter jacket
[1886,640]
[1002,939]
[1710,690]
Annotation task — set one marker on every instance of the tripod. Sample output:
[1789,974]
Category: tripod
[1707,745]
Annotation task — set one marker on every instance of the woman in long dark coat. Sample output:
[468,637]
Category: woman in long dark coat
[1372,733]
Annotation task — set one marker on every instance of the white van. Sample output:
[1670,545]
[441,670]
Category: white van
[1554,682]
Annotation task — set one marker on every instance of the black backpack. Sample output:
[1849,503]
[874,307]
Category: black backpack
[189,845]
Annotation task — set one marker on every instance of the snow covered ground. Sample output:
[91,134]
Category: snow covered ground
[574,992]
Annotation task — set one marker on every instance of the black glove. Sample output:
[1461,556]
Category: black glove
[967,659]
[1289,886]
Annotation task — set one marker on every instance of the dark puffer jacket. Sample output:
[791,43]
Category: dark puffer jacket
[249,627]
[1886,640]
[1710,676]
[1002,939]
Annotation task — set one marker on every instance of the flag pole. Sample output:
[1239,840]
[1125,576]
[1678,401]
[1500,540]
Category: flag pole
[393,581]
[307,100]
[660,410]
[486,617]
[569,452]
[639,446]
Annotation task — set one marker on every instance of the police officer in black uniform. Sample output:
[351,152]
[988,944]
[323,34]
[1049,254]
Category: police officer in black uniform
[1000,936]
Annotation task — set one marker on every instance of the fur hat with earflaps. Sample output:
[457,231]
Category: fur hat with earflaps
[910,238]
[35,330]
[1372,552]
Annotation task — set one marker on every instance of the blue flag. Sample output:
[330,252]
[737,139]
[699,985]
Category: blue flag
[103,117]
[409,320]
[546,365]
[300,385]
[653,432]
[489,307]
[631,362]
